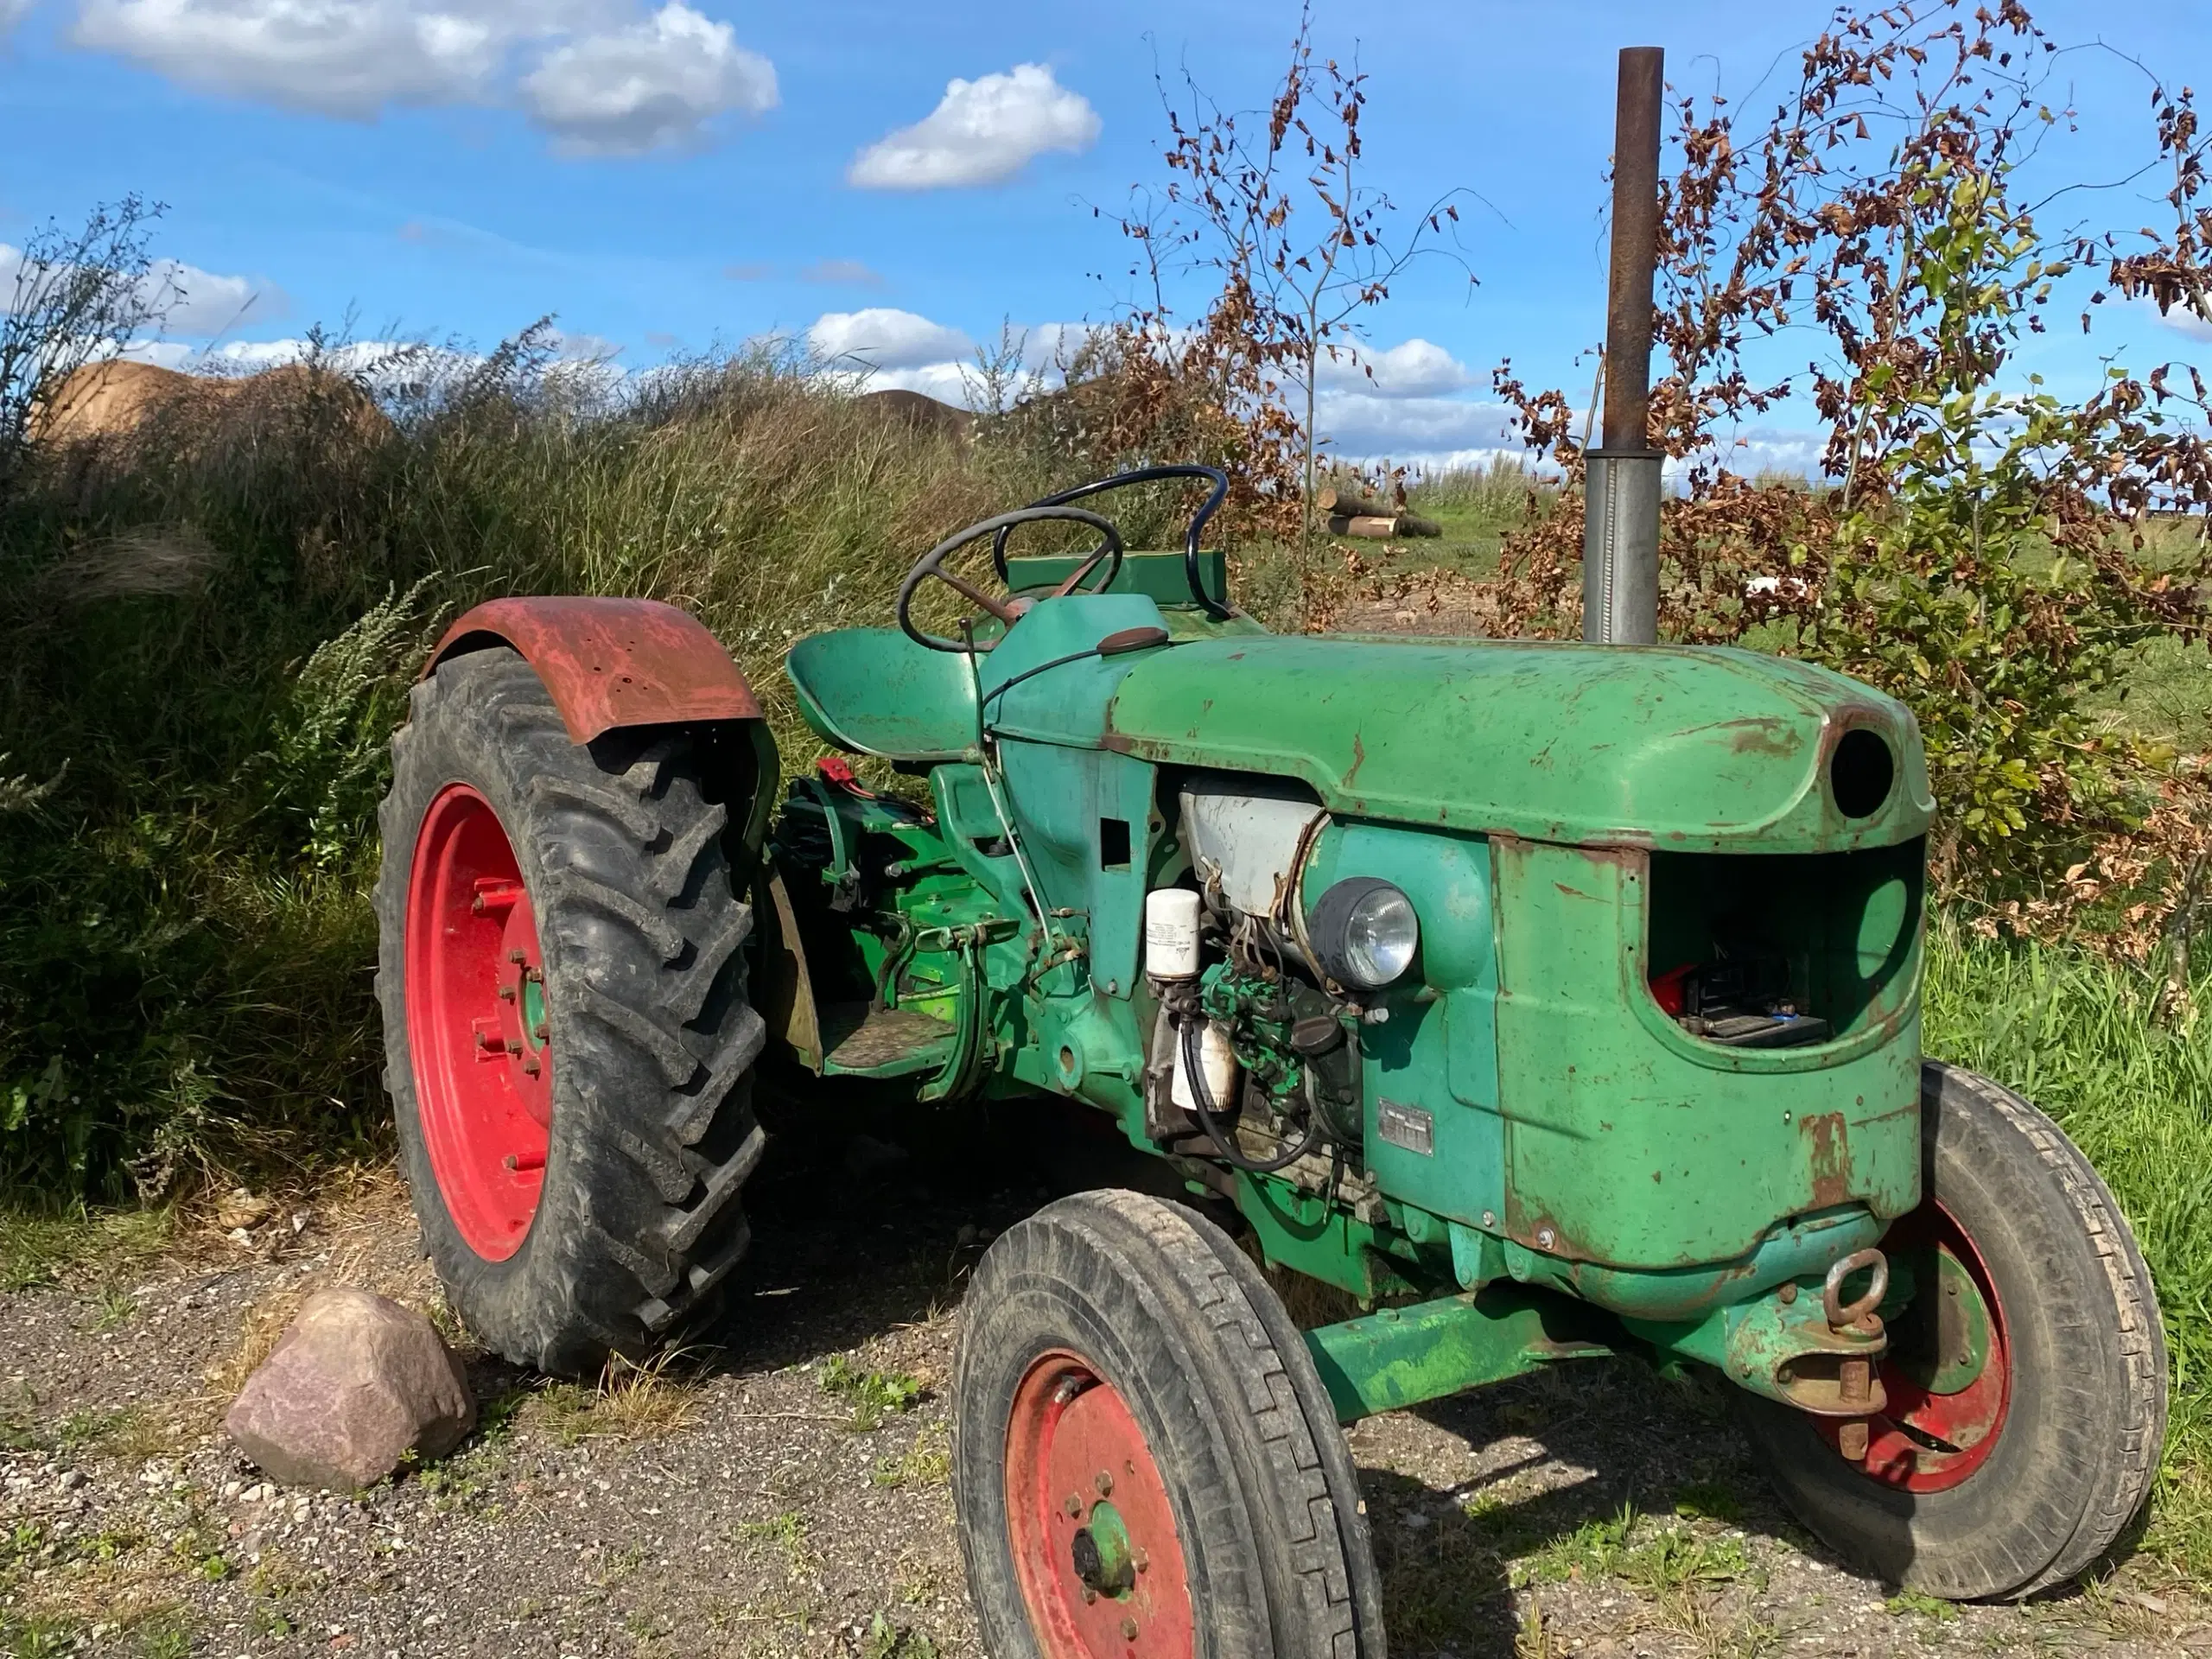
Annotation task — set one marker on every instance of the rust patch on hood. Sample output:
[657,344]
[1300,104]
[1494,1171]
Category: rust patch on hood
[1828,1144]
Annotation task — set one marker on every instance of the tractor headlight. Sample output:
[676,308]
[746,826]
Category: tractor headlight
[1364,932]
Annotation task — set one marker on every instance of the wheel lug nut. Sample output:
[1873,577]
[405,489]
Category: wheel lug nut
[1128,1629]
[1104,1483]
[516,957]
[1089,1594]
[507,993]
[1074,1505]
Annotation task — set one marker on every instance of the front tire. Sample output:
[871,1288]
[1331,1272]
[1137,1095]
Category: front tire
[567,1044]
[2020,1474]
[1144,1457]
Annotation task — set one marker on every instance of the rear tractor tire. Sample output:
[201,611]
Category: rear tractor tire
[1145,1461]
[567,1043]
[2026,1380]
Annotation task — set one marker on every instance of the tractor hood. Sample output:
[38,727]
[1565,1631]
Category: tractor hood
[1680,748]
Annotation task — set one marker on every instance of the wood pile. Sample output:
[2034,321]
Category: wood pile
[1347,514]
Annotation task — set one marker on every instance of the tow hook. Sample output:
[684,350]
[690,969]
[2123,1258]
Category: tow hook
[1857,1318]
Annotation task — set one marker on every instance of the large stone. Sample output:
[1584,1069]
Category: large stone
[356,1383]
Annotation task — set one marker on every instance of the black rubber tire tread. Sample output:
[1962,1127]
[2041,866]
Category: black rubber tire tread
[653,1041]
[1166,1309]
[2080,1447]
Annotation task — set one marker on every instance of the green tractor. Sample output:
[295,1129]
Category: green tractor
[1552,999]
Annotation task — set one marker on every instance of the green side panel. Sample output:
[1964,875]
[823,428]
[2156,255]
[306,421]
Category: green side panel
[874,691]
[1086,821]
[1322,1241]
[1697,749]
[1403,1355]
[1030,691]
[1160,577]
[971,830]
[1436,1056]
[1629,1142]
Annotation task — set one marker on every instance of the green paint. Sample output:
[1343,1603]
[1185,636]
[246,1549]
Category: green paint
[533,1011]
[1158,576]
[1950,1344]
[1116,1571]
[1690,749]
[1297,1230]
[874,691]
[1566,820]
[1782,1349]
[1635,1146]
[1400,1357]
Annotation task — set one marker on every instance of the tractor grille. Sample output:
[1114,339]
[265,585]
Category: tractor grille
[1775,952]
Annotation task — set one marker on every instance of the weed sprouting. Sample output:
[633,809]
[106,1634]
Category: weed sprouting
[873,1395]
[1594,1550]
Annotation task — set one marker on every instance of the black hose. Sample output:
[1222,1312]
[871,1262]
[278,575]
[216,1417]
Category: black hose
[1201,1097]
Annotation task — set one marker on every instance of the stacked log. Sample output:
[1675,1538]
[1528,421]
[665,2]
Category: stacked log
[1347,514]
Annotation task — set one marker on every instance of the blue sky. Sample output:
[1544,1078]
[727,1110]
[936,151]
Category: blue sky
[668,177]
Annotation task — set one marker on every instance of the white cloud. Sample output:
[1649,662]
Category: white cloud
[2179,318]
[1361,423]
[607,80]
[359,357]
[13,12]
[1757,449]
[946,382]
[652,86]
[162,353]
[853,272]
[196,301]
[883,338]
[984,131]
[183,299]
[331,57]
[1044,344]
[1414,368]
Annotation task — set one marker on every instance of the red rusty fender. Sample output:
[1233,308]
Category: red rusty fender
[610,662]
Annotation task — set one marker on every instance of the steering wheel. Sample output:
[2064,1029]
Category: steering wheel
[1107,554]
[1206,602]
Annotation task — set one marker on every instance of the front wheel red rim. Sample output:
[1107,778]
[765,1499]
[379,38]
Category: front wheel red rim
[1948,1374]
[1095,1548]
[477,1024]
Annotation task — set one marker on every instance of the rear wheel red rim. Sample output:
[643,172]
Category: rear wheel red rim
[1944,1416]
[1096,1549]
[477,1027]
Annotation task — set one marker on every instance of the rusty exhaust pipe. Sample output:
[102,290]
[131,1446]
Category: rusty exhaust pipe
[1620,534]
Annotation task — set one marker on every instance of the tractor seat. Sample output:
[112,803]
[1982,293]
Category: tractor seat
[874,691]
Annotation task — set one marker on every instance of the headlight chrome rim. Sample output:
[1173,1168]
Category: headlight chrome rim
[1365,931]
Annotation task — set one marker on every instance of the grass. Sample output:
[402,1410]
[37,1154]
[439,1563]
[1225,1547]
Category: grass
[632,1399]
[40,1247]
[2079,1036]
[872,1396]
[209,639]
[209,633]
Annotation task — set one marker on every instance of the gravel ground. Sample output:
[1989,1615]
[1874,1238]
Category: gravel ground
[758,1498]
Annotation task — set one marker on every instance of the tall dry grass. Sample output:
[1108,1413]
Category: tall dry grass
[207,625]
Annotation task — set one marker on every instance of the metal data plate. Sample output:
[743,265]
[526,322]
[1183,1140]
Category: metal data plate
[1406,1126]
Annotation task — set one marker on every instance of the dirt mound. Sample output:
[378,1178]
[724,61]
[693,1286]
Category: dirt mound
[117,400]
[918,410]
